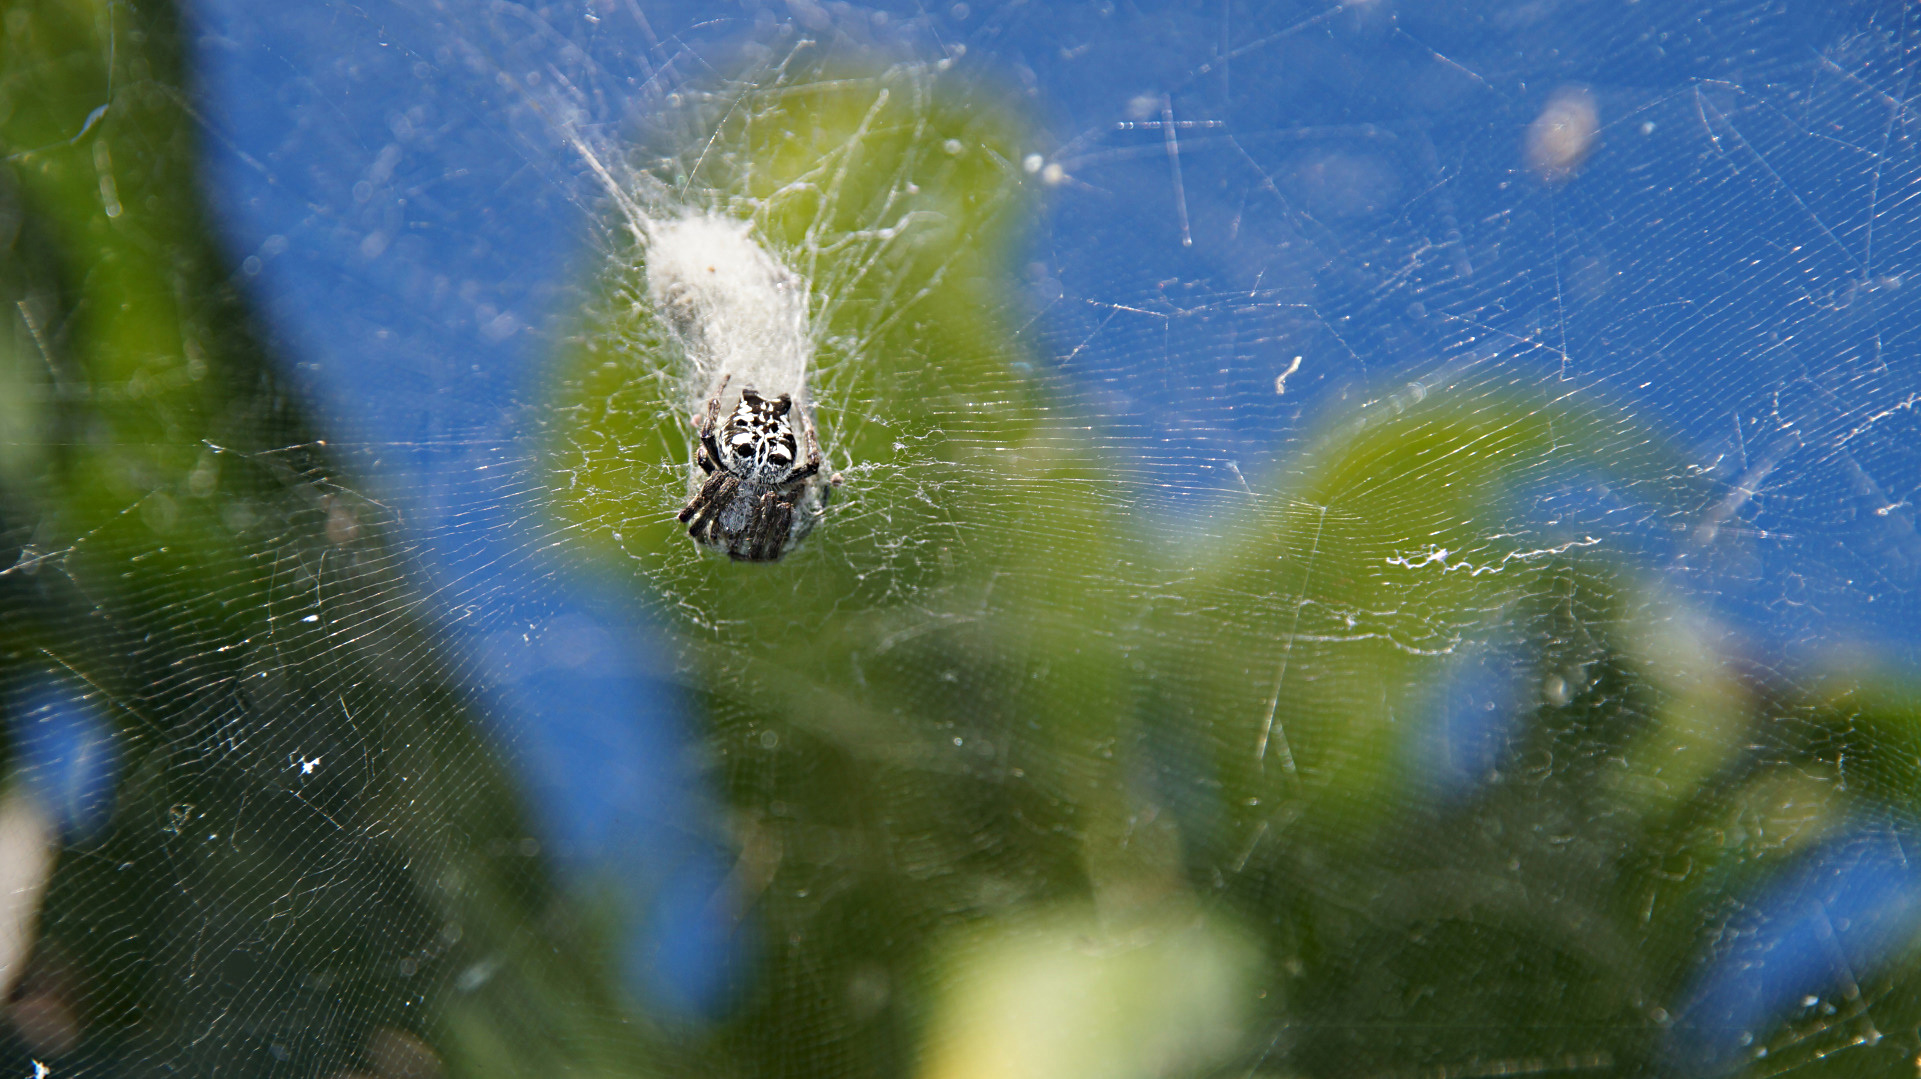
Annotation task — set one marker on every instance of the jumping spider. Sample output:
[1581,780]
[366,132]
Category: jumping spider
[746,506]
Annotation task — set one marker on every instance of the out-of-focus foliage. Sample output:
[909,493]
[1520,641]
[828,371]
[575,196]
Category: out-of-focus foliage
[1384,777]
[307,841]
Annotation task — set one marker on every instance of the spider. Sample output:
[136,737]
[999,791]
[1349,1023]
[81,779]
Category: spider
[746,505]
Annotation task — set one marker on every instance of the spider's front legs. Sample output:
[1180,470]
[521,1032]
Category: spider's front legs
[714,496]
[767,533]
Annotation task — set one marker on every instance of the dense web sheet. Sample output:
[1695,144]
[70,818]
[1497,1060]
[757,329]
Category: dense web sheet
[1371,540]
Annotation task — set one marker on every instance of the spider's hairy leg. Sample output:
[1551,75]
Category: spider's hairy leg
[713,497]
[812,467]
[713,403]
[767,533]
[708,422]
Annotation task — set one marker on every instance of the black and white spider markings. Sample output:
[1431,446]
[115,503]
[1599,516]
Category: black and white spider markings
[755,479]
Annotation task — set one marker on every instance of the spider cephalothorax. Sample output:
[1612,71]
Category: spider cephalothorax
[754,475]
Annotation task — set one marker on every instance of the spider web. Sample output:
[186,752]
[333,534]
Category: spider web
[1374,541]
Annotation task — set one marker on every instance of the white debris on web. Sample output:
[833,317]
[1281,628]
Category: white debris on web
[738,314]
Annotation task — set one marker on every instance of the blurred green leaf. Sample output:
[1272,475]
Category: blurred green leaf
[172,523]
